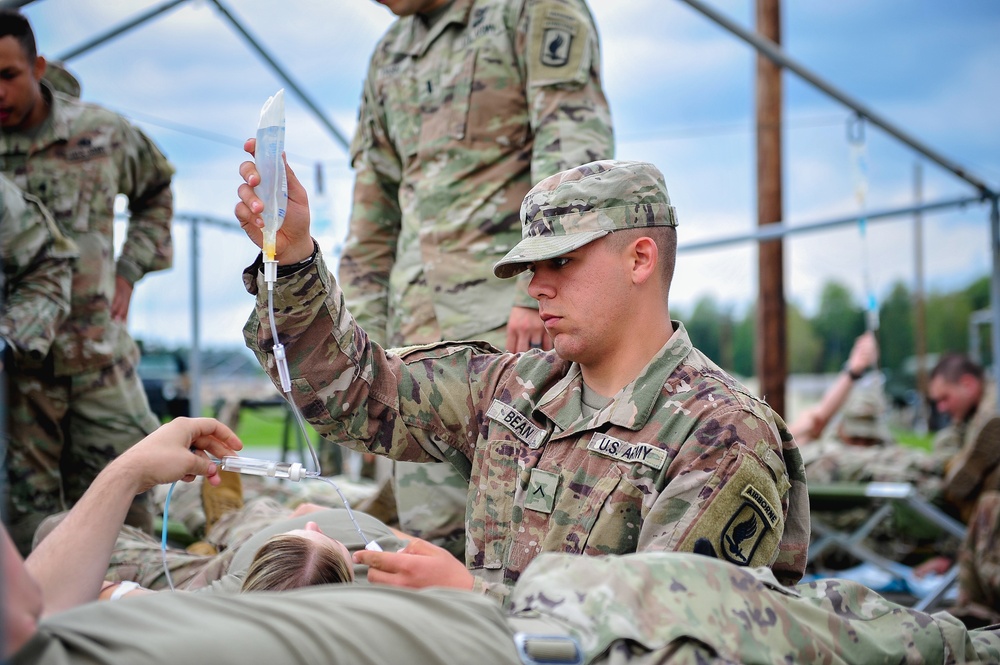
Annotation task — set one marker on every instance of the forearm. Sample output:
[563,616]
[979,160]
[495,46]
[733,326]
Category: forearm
[351,389]
[70,563]
[148,244]
[811,424]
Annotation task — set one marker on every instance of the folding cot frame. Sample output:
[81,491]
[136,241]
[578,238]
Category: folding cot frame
[887,496]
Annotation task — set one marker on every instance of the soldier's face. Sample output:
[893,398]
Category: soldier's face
[410,7]
[21,104]
[584,300]
[957,399]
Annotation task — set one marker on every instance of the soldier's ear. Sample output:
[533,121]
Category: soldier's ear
[38,69]
[644,258]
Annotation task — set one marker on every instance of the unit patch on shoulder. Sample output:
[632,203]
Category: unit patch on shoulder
[747,526]
[643,453]
[558,35]
[556,44]
[518,424]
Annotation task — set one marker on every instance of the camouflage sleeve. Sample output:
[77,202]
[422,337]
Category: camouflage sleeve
[370,250]
[409,405]
[145,180]
[558,45]
[977,460]
[559,51]
[37,273]
[729,497]
[652,608]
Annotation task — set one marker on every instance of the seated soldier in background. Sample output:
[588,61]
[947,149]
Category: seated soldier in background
[958,387]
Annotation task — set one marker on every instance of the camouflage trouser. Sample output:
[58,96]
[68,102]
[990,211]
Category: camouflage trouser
[431,498]
[979,556]
[63,431]
[139,557]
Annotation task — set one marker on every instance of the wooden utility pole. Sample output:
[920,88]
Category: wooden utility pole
[770,360]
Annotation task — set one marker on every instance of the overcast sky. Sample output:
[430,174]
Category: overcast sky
[682,95]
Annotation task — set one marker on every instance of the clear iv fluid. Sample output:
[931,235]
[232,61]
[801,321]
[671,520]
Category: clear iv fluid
[263,467]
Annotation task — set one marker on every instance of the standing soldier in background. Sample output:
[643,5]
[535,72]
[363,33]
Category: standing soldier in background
[467,104]
[85,404]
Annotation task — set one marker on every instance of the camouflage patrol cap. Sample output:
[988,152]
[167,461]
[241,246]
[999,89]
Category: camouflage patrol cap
[577,206]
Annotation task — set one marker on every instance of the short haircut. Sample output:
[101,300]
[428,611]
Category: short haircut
[14,24]
[289,561]
[665,238]
[953,366]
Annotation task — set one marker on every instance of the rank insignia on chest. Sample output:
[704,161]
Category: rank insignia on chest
[517,423]
[747,527]
[640,453]
[541,495]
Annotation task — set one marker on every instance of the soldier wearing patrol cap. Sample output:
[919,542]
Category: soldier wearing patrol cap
[623,438]
[466,105]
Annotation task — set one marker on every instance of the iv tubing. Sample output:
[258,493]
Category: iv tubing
[163,535]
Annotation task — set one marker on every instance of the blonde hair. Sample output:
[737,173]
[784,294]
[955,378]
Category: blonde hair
[289,561]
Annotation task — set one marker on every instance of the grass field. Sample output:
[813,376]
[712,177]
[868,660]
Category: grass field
[264,428]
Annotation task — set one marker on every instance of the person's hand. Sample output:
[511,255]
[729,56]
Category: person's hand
[420,564]
[293,242]
[864,354]
[936,565]
[525,330]
[177,450]
[121,300]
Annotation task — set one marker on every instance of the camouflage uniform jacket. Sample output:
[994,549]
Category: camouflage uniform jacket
[976,467]
[457,122]
[37,272]
[683,458]
[80,158]
[664,608]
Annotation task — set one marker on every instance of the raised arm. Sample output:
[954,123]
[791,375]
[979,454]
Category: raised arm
[810,424]
[70,563]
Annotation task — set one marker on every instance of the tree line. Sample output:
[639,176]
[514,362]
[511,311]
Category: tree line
[820,343]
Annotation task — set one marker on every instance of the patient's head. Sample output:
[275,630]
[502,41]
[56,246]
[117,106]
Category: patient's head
[298,558]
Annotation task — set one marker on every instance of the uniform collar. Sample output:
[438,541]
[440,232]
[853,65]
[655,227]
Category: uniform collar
[633,404]
[417,38]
